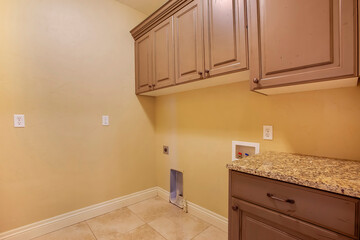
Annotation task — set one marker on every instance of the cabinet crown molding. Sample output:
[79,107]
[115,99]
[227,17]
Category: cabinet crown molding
[164,12]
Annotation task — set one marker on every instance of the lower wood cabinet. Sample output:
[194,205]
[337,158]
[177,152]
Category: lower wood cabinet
[265,209]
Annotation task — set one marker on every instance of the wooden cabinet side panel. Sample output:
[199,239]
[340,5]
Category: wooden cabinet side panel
[234,215]
[225,36]
[234,221]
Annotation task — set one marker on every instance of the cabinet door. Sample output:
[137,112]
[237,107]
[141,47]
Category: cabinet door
[257,230]
[143,64]
[163,54]
[189,45]
[225,36]
[251,222]
[245,226]
[298,41]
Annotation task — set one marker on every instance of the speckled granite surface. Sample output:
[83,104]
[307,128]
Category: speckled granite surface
[333,175]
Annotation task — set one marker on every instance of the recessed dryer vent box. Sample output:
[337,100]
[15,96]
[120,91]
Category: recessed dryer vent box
[241,150]
[176,188]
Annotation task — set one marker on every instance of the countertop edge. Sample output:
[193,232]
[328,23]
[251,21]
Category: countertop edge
[293,180]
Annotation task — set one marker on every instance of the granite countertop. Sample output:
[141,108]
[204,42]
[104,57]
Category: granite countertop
[333,175]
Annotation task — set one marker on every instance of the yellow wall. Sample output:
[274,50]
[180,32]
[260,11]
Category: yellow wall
[64,63]
[200,125]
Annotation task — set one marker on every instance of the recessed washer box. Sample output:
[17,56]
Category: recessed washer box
[244,148]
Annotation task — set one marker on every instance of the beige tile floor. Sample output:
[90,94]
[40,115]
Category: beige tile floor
[153,219]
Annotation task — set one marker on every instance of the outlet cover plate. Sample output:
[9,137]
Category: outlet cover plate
[267,132]
[105,120]
[19,120]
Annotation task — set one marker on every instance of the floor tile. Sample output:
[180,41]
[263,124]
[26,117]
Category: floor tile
[180,227]
[145,232]
[154,208]
[113,225]
[153,219]
[80,231]
[212,233]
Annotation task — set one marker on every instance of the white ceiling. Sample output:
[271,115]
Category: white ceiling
[144,6]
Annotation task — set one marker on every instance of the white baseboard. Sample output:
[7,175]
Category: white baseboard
[200,212]
[208,216]
[55,223]
[163,193]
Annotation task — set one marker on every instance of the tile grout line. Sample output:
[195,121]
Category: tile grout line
[209,224]
[201,232]
[91,230]
[157,232]
[34,238]
[152,226]
[143,220]
[187,212]
[146,223]
[137,215]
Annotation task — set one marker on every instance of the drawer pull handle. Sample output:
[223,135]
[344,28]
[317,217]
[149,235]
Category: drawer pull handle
[280,199]
[235,208]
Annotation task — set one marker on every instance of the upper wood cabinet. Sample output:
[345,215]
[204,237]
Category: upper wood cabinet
[154,58]
[163,54]
[301,41]
[189,53]
[225,36]
[289,46]
[143,63]
[189,40]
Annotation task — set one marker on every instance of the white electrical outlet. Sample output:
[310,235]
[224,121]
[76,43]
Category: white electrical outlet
[105,120]
[268,133]
[19,120]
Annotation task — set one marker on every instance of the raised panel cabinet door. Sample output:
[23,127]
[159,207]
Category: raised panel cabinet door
[299,41]
[163,54]
[143,64]
[252,222]
[254,229]
[225,36]
[245,227]
[189,45]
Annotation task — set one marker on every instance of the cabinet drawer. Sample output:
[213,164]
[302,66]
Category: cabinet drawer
[325,209]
